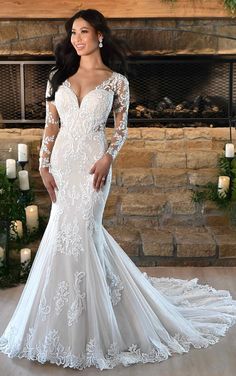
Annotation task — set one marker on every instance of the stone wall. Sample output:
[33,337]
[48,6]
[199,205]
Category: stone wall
[149,210]
[164,36]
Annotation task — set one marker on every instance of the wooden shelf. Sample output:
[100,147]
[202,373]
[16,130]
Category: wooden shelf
[61,9]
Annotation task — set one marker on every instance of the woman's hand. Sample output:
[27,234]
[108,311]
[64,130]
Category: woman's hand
[49,182]
[100,170]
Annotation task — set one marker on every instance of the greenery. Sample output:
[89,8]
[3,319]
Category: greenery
[13,202]
[227,167]
[229,4]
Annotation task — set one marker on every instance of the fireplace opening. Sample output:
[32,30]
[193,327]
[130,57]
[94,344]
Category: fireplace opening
[168,91]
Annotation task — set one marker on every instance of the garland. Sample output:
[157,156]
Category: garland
[211,191]
[229,4]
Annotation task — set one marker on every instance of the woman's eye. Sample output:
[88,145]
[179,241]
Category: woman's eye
[83,31]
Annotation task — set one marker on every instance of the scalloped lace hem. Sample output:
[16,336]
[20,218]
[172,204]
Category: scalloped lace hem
[93,356]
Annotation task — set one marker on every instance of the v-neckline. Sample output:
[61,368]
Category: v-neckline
[95,88]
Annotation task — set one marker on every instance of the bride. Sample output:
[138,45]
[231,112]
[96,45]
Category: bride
[85,303]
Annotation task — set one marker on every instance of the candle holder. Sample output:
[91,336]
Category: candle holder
[11,180]
[24,197]
[25,269]
[230,159]
[22,164]
[4,242]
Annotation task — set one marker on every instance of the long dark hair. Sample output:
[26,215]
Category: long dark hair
[114,50]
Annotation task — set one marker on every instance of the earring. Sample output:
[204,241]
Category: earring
[100,44]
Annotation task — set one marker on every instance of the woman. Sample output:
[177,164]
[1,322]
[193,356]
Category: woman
[85,302]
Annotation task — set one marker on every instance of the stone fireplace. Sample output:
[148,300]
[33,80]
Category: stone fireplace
[169,151]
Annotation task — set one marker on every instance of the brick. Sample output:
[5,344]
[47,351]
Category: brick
[203,176]
[227,245]
[194,243]
[181,202]
[195,133]
[175,145]
[134,177]
[40,45]
[221,133]
[8,32]
[157,242]
[170,178]
[111,205]
[32,29]
[142,204]
[128,238]
[153,133]
[169,160]
[155,145]
[131,158]
[202,159]
[217,220]
[174,134]
[199,144]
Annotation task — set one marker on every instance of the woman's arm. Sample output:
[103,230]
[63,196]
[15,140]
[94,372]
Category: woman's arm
[120,111]
[51,130]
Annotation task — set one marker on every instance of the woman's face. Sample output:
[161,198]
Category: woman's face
[84,37]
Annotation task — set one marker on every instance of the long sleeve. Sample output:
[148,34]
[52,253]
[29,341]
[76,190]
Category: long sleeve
[51,130]
[120,111]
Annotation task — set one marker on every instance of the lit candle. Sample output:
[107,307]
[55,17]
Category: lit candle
[24,180]
[22,153]
[25,255]
[16,229]
[2,256]
[11,168]
[229,150]
[32,217]
[223,185]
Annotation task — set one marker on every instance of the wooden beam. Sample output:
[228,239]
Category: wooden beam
[61,9]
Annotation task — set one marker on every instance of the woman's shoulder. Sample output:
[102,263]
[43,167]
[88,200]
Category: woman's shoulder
[121,80]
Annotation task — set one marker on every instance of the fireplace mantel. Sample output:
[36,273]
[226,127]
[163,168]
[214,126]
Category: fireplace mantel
[56,9]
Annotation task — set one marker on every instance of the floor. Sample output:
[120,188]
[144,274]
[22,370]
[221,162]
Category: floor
[216,360]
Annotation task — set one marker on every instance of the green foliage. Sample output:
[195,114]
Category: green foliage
[210,191]
[13,202]
[12,199]
[229,4]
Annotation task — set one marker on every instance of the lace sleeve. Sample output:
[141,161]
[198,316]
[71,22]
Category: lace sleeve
[120,111]
[51,130]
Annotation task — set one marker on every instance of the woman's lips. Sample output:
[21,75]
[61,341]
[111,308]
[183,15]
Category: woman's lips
[79,47]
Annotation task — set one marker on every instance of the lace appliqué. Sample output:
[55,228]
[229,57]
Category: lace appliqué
[69,240]
[120,110]
[115,287]
[61,296]
[78,304]
[44,308]
[51,130]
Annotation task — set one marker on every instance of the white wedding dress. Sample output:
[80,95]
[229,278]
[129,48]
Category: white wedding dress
[85,302]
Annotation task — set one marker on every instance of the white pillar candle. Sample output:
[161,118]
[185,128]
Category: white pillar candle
[11,168]
[223,185]
[229,150]
[22,153]
[25,255]
[32,217]
[17,225]
[2,256]
[23,180]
